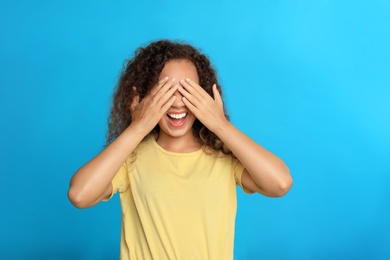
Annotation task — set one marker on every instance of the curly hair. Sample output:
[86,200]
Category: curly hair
[143,71]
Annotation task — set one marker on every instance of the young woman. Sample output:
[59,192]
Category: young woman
[175,159]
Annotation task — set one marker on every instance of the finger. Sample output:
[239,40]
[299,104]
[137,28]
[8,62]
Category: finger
[192,90]
[196,87]
[187,95]
[190,106]
[134,103]
[217,95]
[166,96]
[160,83]
[163,89]
[168,104]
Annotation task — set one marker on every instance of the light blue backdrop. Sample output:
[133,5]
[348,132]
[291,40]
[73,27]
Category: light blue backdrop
[309,80]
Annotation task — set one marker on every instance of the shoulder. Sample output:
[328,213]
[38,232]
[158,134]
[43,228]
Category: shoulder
[146,144]
[220,157]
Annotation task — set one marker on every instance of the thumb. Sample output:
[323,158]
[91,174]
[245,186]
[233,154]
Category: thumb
[135,101]
[217,95]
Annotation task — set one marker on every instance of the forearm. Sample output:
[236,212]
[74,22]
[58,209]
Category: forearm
[268,171]
[94,178]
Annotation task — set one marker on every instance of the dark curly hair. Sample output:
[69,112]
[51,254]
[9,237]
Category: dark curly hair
[143,71]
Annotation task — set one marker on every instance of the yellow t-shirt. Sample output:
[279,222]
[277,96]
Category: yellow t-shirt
[177,205]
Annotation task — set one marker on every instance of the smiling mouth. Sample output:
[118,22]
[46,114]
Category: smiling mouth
[177,119]
[177,116]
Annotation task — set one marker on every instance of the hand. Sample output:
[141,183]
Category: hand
[149,111]
[208,110]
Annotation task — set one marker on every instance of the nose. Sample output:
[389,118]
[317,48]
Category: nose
[179,100]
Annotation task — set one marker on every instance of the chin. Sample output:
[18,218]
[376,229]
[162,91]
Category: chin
[169,131]
[176,133]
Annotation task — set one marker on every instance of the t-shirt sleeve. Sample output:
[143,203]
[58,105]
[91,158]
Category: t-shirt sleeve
[120,182]
[238,170]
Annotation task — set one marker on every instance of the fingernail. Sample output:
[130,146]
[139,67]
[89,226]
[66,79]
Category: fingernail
[181,81]
[188,80]
[173,79]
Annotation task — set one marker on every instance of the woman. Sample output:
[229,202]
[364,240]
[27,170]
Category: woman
[175,159]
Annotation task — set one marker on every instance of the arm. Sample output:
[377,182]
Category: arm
[92,182]
[264,172]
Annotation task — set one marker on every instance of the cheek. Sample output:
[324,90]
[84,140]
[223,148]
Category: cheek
[193,119]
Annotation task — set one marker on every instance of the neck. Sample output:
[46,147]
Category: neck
[182,144]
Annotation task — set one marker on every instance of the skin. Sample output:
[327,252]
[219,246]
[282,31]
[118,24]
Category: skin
[264,172]
[178,139]
[178,91]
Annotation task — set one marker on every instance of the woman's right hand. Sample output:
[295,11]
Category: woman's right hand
[148,112]
[92,182]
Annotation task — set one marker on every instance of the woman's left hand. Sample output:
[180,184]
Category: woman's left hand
[209,111]
[264,172]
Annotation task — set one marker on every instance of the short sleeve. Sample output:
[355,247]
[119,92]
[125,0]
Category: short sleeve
[120,182]
[238,170]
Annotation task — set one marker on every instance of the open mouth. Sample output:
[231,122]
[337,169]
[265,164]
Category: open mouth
[177,116]
[177,119]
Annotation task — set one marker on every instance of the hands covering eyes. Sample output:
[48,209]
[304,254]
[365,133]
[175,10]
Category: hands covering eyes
[150,110]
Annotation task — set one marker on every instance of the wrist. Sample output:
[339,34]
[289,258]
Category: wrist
[222,127]
[136,130]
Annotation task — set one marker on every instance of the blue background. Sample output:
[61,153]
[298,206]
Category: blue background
[309,80]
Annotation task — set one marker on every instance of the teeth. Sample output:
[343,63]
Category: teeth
[178,116]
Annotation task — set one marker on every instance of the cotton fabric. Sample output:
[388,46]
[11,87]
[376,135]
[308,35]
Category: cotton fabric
[177,205]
